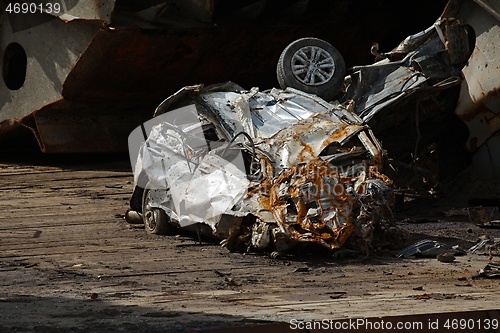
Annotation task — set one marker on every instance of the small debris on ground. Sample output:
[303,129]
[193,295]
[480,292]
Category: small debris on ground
[337,294]
[490,271]
[301,270]
[446,257]
[232,282]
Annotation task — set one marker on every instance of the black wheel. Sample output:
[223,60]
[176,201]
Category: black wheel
[155,219]
[313,66]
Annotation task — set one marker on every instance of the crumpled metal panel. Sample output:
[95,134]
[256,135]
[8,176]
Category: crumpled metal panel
[319,179]
[429,248]
[415,66]
[168,159]
[305,141]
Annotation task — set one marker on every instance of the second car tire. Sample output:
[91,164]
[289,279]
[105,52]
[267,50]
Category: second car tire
[312,65]
[156,221]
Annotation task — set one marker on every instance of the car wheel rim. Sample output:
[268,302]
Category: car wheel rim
[312,66]
[150,220]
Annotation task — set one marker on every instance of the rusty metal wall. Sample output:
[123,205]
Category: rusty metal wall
[112,56]
[479,101]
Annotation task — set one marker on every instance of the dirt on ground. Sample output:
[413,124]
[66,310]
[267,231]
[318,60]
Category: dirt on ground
[70,263]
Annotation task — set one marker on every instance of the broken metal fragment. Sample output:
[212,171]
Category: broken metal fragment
[490,271]
[429,248]
[485,244]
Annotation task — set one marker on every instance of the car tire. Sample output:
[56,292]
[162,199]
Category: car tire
[156,221]
[313,66]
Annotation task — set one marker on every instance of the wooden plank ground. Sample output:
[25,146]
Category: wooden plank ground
[63,239]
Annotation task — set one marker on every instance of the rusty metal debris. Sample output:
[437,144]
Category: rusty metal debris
[490,271]
[310,171]
[413,96]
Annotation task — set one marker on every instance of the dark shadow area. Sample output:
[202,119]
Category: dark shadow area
[61,315]
[449,230]
[26,313]
[20,140]
[119,162]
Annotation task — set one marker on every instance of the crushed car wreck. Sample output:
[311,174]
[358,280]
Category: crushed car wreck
[304,164]
[308,171]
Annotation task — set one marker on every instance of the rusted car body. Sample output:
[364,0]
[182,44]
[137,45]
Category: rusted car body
[311,170]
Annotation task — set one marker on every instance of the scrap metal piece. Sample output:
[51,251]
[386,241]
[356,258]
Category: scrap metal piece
[412,67]
[428,248]
[490,271]
[133,217]
[314,207]
[485,245]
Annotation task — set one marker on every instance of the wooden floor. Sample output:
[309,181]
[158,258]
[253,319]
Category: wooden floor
[69,262]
